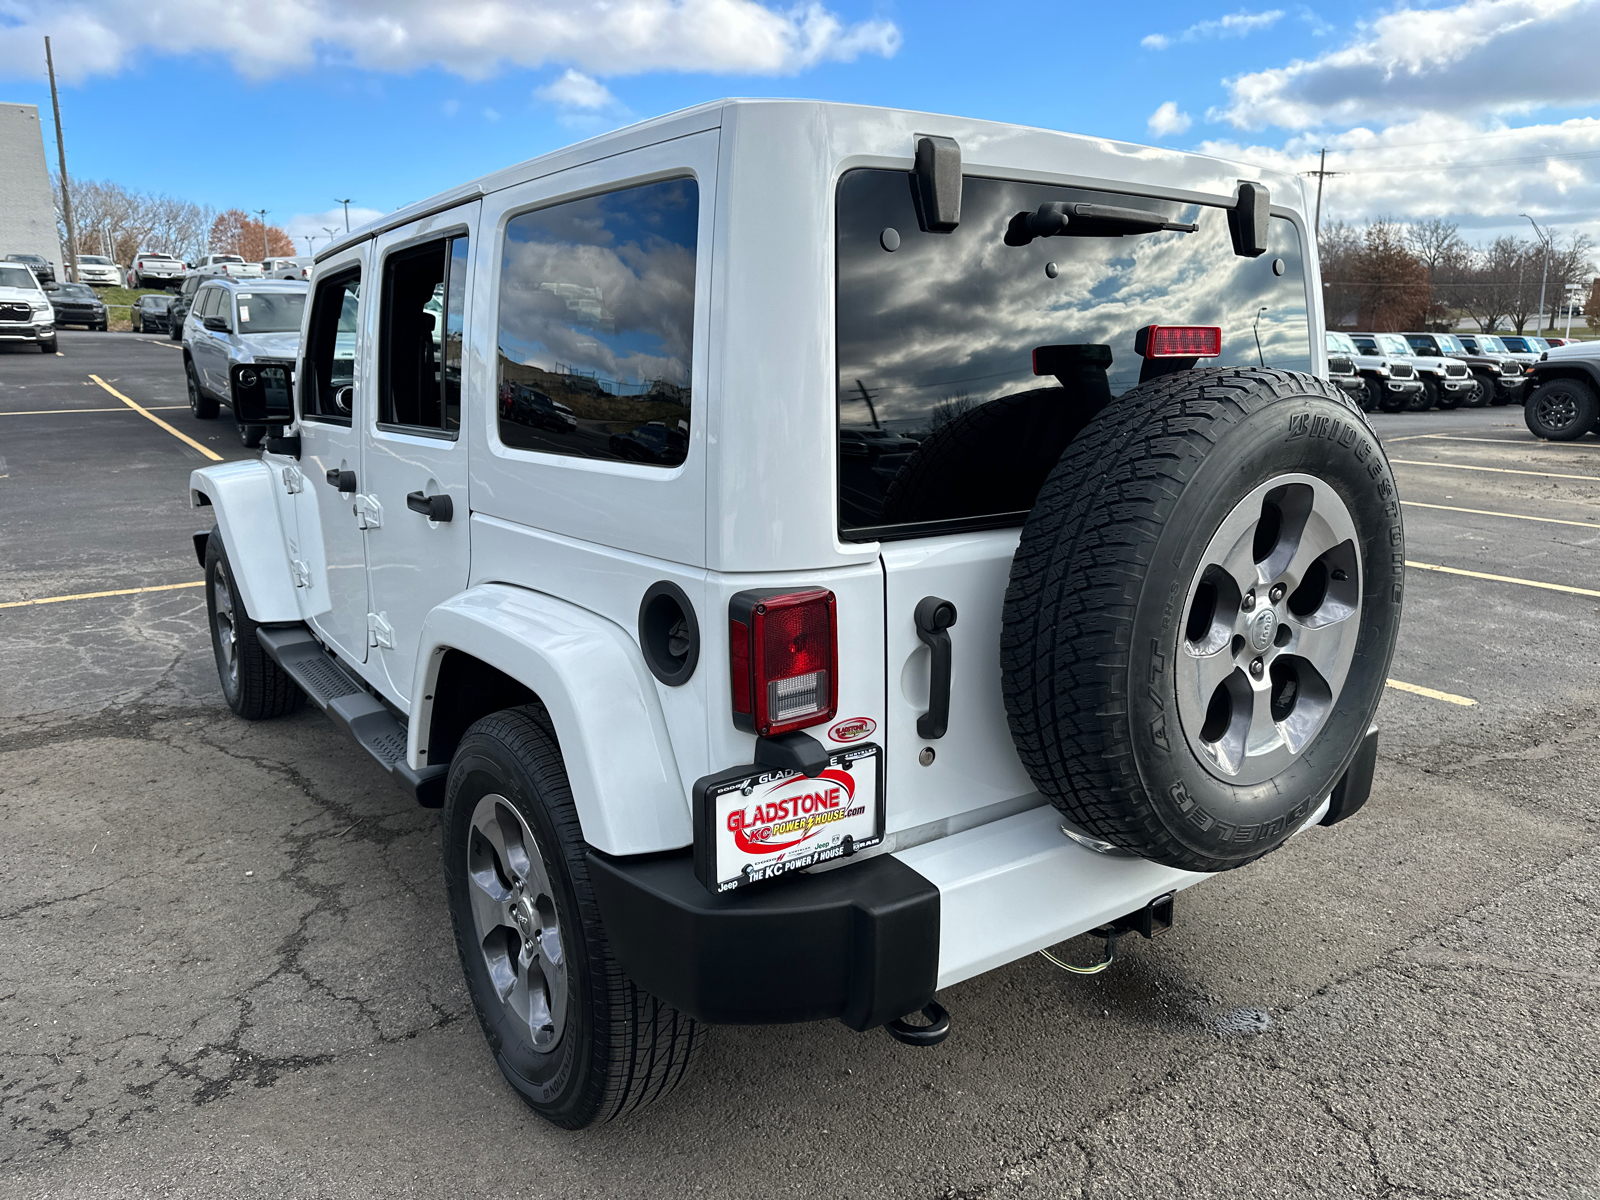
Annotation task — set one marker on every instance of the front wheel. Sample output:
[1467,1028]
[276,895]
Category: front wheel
[1389,402]
[250,435]
[200,404]
[576,1038]
[1202,609]
[1425,399]
[1562,410]
[48,347]
[254,685]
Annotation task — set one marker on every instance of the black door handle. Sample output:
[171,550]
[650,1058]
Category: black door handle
[345,481]
[934,618]
[435,508]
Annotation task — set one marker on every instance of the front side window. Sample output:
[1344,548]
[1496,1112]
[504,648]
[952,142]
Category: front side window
[943,423]
[424,294]
[327,389]
[209,303]
[596,325]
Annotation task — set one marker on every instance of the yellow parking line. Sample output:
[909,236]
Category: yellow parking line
[160,587]
[1527,441]
[1484,512]
[1533,583]
[1417,689]
[50,412]
[1412,462]
[145,412]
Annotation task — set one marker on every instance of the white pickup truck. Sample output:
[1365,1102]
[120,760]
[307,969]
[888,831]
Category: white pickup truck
[230,265]
[570,515]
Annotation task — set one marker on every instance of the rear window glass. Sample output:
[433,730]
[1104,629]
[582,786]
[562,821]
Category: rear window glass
[942,422]
[596,325]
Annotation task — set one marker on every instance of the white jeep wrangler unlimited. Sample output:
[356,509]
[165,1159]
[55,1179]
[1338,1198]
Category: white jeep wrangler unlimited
[814,555]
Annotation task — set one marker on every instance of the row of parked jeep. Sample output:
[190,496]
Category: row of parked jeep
[1413,372]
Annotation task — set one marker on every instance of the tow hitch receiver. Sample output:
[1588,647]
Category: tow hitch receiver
[1153,918]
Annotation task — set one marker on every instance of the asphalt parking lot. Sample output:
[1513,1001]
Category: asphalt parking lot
[226,965]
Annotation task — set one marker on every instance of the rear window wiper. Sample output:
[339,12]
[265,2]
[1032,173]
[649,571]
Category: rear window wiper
[1056,218]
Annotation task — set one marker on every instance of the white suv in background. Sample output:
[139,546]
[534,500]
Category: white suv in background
[98,270]
[732,721]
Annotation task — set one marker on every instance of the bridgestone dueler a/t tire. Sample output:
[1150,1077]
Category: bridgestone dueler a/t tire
[621,1049]
[1093,614]
[259,689]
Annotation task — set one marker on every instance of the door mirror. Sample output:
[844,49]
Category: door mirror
[262,394]
[216,324]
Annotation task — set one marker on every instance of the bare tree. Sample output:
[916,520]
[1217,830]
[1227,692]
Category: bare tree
[1438,245]
[1591,307]
[119,223]
[1570,265]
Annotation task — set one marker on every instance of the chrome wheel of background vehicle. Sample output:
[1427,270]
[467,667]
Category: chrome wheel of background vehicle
[515,921]
[1271,628]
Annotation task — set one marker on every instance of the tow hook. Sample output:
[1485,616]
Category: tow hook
[931,1034]
[1153,919]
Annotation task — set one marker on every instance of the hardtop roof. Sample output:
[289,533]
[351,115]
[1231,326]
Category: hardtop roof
[710,115]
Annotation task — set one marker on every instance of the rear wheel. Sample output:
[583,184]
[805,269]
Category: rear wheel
[1201,613]
[200,404]
[576,1038]
[1562,410]
[254,686]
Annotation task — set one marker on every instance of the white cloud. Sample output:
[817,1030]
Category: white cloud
[1444,166]
[577,90]
[1239,24]
[317,224]
[1167,120]
[491,115]
[1481,56]
[473,39]
[450,107]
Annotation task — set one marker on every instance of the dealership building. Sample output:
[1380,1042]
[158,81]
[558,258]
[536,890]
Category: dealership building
[27,209]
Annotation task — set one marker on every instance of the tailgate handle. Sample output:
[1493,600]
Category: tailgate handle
[934,618]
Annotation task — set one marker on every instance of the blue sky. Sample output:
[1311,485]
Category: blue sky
[291,105]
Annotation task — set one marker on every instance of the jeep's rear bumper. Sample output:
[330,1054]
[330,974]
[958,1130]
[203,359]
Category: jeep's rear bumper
[872,941]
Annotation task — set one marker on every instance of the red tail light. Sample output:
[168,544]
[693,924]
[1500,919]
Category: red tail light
[1179,341]
[783,650]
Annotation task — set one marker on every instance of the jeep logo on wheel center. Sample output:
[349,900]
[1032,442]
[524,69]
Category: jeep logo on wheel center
[1262,629]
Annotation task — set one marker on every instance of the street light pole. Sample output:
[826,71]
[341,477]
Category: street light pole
[346,204]
[1544,275]
[262,213]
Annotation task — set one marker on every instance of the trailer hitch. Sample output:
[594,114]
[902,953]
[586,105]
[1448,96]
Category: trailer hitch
[1153,919]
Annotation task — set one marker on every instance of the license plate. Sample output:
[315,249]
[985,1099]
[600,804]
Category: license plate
[752,825]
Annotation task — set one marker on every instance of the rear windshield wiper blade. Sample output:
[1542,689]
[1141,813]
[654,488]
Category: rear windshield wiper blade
[1057,218]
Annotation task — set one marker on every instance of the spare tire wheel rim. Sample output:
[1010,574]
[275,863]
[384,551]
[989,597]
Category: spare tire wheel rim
[1271,622]
[516,922]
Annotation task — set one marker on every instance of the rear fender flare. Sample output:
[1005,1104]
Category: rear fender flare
[241,496]
[592,679]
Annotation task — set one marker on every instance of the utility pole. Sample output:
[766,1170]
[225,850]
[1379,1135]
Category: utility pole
[1544,275]
[871,408]
[262,213]
[71,265]
[346,204]
[1321,173]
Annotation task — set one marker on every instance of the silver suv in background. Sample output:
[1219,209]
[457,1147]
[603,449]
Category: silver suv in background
[1390,386]
[238,321]
[1446,382]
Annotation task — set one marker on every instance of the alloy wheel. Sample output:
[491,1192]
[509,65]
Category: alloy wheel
[1272,619]
[515,920]
[227,627]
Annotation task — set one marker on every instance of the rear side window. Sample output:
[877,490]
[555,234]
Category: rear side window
[327,391]
[596,325]
[424,295]
[942,423]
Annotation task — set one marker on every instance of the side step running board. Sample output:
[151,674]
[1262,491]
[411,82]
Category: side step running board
[352,708]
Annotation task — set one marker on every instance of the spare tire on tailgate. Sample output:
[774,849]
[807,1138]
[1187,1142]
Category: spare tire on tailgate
[1201,613]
